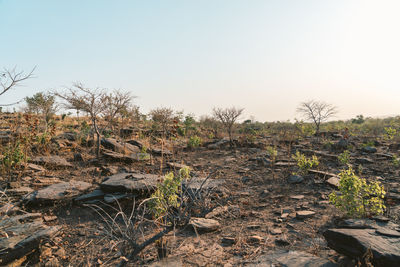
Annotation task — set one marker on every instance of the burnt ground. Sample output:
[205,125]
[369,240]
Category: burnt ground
[256,208]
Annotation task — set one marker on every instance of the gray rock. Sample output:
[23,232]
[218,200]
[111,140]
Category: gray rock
[59,191]
[134,157]
[333,181]
[369,149]
[364,161]
[204,225]
[295,179]
[384,245]
[95,194]
[218,144]
[23,234]
[342,144]
[291,259]
[303,214]
[131,182]
[51,162]
[123,148]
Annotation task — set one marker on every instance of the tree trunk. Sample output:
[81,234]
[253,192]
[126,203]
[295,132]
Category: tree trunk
[96,129]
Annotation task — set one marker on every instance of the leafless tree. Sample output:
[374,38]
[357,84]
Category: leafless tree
[228,117]
[88,100]
[11,78]
[317,112]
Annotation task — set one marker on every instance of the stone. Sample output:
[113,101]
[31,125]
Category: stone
[297,197]
[364,161]
[194,184]
[9,209]
[176,166]
[295,179]
[161,152]
[275,231]
[123,148]
[291,259]
[111,198]
[95,194]
[130,182]
[228,241]
[70,136]
[369,149]
[217,212]
[54,162]
[342,144]
[59,191]
[35,168]
[255,239]
[23,234]
[303,214]
[134,157]
[218,144]
[333,181]
[204,225]
[354,243]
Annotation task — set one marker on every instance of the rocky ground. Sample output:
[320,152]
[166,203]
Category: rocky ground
[260,214]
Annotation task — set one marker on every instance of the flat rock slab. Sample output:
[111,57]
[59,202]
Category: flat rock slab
[303,214]
[21,235]
[196,183]
[134,157]
[295,179]
[291,259]
[51,162]
[176,166]
[204,225]
[333,181]
[131,182]
[114,145]
[355,243]
[95,194]
[60,191]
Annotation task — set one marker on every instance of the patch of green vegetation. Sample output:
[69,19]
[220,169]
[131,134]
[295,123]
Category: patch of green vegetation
[356,197]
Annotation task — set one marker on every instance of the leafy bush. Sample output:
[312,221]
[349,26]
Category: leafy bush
[305,163]
[344,157]
[12,157]
[356,197]
[167,193]
[390,132]
[396,161]
[272,153]
[194,141]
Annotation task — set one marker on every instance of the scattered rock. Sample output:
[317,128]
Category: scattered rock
[22,235]
[134,157]
[95,194]
[291,259]
[204,225]
[255,239]
[297,197]
[130,182]
[383,242]
[369,149]
[303,214]
[218,144]
[123,148]
[51,162]
[364,161]
[176,166]
[333,181]
[60,191]
[295,179]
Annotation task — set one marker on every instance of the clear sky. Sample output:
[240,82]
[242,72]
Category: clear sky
[265,56]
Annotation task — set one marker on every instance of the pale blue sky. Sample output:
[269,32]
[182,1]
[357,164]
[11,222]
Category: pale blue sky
[264,56]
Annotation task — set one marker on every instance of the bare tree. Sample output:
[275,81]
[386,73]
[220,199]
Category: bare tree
[11,78]
[87,100]
[228,117]
[317,112]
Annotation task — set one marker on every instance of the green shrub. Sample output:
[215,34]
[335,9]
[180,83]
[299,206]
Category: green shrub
[396,161]
[356,197]
[344,157]
[167,193]
[272,153]
[305,163]
[12,156]
[194,141]
[390,132]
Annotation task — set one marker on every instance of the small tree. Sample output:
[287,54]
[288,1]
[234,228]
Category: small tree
[43,104]
[210,124]
[87,100]
[164,117]
[228,117]
[117,104]
[317,112]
